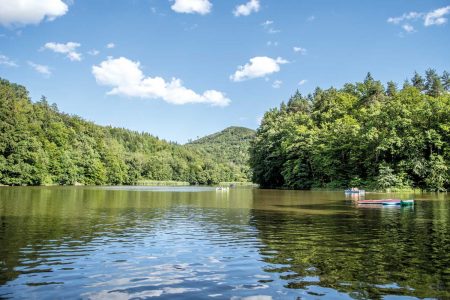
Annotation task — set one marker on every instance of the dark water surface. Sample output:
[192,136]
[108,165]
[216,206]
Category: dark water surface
[196,243]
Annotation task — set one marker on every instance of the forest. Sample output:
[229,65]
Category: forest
[229,146]
[39,145]
[364,134]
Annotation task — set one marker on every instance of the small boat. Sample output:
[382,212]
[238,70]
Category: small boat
[222,188]
[358,192]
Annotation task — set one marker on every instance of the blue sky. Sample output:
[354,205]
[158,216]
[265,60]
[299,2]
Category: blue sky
[186,68]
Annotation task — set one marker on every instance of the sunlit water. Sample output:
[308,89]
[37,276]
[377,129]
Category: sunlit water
[198,243]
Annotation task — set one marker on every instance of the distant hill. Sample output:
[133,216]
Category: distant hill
[39,145]
[229,146]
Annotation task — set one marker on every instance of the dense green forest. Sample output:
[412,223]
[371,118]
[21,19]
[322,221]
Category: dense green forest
[40,145]
[363,134]
[229,146]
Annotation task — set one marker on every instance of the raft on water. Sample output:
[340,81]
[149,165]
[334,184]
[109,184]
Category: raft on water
[378,201]
[388,202]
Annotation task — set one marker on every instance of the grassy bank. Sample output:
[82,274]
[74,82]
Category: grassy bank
[237,183]
[162,183]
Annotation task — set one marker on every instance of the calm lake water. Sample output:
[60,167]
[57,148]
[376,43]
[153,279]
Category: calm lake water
[196,243]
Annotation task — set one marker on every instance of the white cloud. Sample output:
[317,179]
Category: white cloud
[277,84]
[247,8]
[110,45]
[258,66]
[266,23]
[23,12]
[69,49]
[271,43]
[45,70]
[126,78]
[273,30]
[300,50]
[408,28]
[268,26]
[202,7]
[302,82]
[94,52]
[436,17]
[6,61]
[406,16]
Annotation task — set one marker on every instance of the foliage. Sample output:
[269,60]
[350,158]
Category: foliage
[41,146]
[362,134]
[230,147]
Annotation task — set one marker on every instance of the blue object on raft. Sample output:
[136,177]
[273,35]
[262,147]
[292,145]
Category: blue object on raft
[400,202]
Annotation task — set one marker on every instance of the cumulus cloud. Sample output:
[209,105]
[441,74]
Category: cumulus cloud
[247,8]
[69,49]
[300,50]
[435,17]
[110,45]
[277,84]
[302,82]
[43,69]
[126,78]
[258,66]
[23,12]
[201,7]
[6,61]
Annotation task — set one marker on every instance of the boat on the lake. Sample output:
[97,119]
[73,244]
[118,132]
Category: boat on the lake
[355,191]
[388,202]
[222,188]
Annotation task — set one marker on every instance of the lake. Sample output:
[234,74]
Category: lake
[199,243]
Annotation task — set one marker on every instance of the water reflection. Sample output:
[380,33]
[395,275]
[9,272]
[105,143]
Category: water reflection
[367,253]
[107,243]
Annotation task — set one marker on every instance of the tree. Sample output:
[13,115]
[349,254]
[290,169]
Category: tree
[433,83]
[446,81]
[418,82]
[391,89]
[358,134]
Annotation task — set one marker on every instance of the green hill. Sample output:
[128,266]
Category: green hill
[229,146]
[41,146]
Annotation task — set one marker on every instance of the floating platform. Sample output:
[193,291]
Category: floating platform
[379,201]
[387,202]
